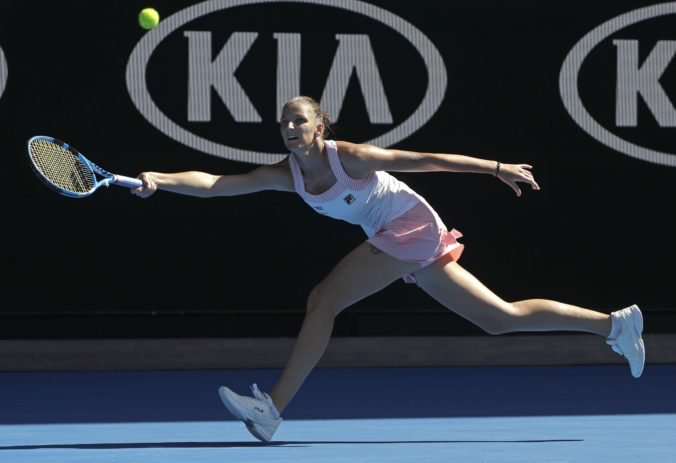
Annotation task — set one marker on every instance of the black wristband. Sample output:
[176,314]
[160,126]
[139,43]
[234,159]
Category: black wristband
[497,169]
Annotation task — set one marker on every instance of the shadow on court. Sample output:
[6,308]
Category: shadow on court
[340,393]
[191,445]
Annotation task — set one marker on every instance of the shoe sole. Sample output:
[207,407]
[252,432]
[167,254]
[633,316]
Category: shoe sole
[253,429]
[638,327]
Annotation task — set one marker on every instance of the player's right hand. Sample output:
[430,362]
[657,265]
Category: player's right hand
[148,188]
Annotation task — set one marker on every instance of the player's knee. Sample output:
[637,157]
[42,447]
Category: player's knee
[500,322]
[320,300]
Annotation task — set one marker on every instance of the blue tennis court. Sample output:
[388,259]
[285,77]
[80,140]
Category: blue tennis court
[270,139]
[489,414]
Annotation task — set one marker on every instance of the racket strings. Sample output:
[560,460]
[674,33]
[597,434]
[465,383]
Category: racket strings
[61,167]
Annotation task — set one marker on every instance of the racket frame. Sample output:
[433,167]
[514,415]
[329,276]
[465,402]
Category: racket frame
[107,180]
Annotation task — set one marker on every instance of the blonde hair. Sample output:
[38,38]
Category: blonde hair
[320,115]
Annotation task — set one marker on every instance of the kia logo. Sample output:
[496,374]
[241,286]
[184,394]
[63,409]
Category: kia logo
[638,84]
[209,57]
[3,72]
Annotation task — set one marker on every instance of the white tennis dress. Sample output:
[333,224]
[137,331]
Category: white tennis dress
[396,219]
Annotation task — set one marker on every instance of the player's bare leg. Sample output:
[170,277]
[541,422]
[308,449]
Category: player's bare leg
[458,290]
[361,273]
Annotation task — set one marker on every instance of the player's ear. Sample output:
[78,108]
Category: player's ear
[319,130]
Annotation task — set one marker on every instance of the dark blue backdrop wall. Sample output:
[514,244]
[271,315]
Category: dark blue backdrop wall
[582,92]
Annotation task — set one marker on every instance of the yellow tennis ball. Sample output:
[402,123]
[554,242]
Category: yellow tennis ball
[148,18]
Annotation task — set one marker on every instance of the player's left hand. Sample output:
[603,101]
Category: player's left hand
[512,174]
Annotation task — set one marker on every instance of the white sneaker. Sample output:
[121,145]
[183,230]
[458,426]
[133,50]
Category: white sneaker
[258,413]
[627,341]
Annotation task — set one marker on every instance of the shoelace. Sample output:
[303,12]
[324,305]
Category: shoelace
[613,344]
[264,398]
[257,393]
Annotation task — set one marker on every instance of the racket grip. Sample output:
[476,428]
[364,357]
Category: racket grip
[128,182]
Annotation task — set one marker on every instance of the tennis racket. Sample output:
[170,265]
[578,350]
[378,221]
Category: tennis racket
[67,171]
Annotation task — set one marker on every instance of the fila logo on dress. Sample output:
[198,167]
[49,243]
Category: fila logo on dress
[349,199]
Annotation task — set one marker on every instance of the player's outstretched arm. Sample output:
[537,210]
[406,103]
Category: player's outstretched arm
[205,185]
[359,159]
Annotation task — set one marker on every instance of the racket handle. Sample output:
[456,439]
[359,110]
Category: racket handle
[128,182]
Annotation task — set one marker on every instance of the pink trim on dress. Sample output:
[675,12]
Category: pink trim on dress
[418,236]
[449,245]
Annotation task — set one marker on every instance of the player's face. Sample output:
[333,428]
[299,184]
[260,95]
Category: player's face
[298,126]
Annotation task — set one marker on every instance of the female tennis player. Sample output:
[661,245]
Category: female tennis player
[406,239]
